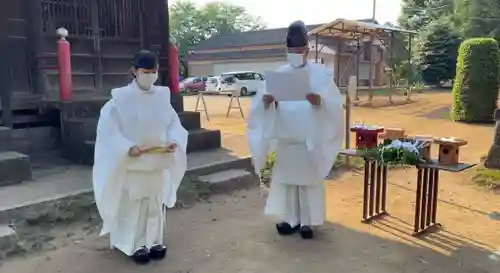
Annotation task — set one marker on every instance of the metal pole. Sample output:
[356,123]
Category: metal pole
[316,49]
[374,8]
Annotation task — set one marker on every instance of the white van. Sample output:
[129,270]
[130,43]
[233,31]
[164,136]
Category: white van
[211,84]
[242,82]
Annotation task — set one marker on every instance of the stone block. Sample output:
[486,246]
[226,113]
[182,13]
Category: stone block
[8,239]
[202,139]
[14,167]
[190,120]
[5,138]
[82,108]
[230,180]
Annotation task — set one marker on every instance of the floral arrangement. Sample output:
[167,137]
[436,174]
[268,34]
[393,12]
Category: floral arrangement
[400,152]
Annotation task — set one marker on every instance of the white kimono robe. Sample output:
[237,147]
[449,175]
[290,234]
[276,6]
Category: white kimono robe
[130,192]
[306,140]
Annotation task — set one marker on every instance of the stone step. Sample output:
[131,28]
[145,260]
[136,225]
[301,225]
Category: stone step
[82,152]
[5,138]
[83,129]
[230,180]
[60,185]
[91,108]
[14,168]
[8,240]
[203,139]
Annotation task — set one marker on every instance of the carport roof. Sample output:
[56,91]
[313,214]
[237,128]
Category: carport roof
[342,28]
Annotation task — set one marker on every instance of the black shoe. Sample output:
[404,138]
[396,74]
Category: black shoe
[157,252]
[141,256]
[286,229]
[306,232]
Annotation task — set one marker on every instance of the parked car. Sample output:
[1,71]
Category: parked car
[243,82]
[211,84]
[193,84]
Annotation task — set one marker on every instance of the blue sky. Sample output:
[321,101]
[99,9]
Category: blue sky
[279,13]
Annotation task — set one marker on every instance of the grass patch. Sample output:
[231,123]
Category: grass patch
[489,178]
[191,190]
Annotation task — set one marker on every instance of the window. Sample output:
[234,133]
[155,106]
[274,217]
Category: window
[258,76]
[244,76]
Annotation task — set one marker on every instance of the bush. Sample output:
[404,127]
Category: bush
[475,89]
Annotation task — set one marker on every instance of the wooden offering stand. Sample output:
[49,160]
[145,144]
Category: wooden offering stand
[390,134]
[367,137]
[425,151]
[449,150]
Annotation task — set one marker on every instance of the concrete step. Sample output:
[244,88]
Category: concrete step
[230,180]
[8,240]
[14,168]
[82,152]
[5,138]
[54,185]
[203,139]
[85,128]
[91,108]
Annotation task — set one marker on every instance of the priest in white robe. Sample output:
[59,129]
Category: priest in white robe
[306,136]
[139,162]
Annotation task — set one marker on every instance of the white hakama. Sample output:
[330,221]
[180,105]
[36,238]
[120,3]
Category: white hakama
[306,140]
[130,192]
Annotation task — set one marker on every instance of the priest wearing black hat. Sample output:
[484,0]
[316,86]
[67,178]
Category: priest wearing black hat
[139,162]
[306,136]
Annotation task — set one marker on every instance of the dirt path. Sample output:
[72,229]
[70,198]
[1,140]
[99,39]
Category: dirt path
[230,234]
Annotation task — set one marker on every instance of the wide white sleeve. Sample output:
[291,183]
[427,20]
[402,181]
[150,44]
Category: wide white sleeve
[259,126]
[175,174]
[329,135]
[110,155]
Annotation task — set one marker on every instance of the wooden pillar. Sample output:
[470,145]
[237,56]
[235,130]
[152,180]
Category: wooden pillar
[337,64]
[175,99]
[96,36]
[358,52]
[35,45]
[391,75]
[370,71]
[5,81]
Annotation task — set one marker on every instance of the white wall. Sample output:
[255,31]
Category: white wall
[259,67]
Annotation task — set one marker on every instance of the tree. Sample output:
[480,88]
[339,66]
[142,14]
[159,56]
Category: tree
[478,18]
[437,52]
[475,89]
[191,24]
[416,14]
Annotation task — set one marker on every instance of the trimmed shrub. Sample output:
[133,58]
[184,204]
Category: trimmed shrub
[475,89]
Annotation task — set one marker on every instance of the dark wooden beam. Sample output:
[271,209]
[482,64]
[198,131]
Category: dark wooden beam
[5,82]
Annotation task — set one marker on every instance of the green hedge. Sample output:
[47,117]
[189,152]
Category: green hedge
[475,89]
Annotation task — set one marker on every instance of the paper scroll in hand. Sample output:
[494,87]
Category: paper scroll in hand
[290,85]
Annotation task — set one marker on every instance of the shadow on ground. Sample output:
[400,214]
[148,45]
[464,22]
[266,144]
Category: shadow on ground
[230,234]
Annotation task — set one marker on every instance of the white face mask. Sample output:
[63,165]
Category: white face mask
[146,80]
[295,59]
